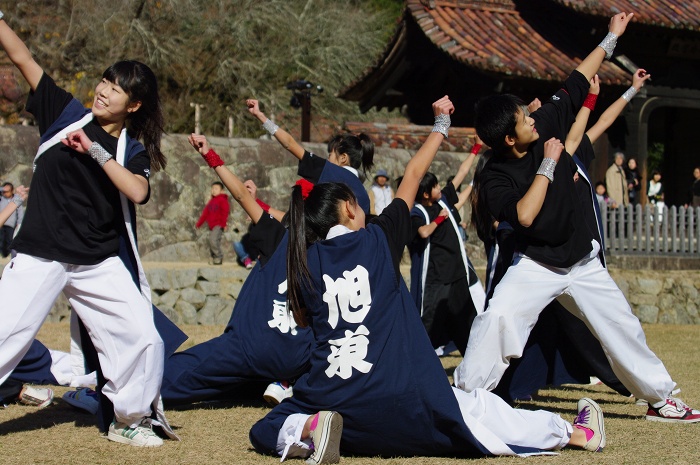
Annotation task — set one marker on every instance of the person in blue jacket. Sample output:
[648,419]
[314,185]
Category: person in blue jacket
[375,385]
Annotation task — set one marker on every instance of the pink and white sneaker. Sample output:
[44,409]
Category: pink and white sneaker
[673,410]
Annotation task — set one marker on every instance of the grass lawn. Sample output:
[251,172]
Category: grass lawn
[218,433]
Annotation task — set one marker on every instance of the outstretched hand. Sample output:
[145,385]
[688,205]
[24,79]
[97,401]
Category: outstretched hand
[618,23]
[78,141]
[639,77]
[23,192]
[199,142]
[254,107]
[252,188]
[443,106]
[553,149]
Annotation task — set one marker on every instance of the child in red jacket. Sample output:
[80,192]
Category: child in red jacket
[216,215]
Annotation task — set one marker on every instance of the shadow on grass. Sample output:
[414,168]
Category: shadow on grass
[249,395]
[56,414]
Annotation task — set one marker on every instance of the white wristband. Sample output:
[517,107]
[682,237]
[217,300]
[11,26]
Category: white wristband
[442,124]
[2,15]
[608,44]
[547,169]
[16,198]
[629,93]
[270,127]
[99,154]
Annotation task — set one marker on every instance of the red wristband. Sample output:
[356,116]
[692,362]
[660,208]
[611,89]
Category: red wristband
[438,221]
[213,159]
[476,148]
[590,101]
[263,205]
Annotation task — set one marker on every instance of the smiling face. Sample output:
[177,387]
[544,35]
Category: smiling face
[525,132]
[111,102]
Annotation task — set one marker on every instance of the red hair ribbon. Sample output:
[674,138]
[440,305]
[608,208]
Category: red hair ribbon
[306,187]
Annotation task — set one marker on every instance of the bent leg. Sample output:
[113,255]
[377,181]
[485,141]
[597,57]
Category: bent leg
[495,423]
[607,313]
[121,327]
[28,289]
[501,332]
[206,371]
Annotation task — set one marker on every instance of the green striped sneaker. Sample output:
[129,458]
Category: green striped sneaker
[141,436]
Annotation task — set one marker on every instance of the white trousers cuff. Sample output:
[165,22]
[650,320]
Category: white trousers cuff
[289,442]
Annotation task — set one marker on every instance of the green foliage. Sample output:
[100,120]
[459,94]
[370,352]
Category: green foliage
[655,156]
[216,53]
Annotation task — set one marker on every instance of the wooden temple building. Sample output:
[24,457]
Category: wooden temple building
[470,49]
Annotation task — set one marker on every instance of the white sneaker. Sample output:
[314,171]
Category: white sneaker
[37,397]
[590,420]
[326,438]
[141,436]
[278,391]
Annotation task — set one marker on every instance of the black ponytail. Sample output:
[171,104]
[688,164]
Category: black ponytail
[359,148]
[309,222]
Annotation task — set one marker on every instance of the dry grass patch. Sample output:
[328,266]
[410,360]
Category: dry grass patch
[218,433]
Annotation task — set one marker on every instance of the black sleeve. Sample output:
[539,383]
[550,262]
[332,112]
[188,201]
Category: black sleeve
[140,164]
[555,117]
[47,102]
[451,195]
[395,221]
[311,167]
[500,197]
[416,222]
[266,235]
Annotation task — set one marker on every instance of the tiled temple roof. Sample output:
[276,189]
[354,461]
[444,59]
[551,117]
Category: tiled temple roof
[412,136]
[673,14]
[495,36]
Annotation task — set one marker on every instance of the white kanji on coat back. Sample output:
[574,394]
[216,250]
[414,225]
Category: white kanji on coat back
[281,318]
[348,353]
[349,296]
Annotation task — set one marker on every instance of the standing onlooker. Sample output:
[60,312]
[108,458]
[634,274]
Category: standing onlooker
[696,188]
[655,193]
[380,194]
[8,229]
[634,181]
[616,181]
[216,215]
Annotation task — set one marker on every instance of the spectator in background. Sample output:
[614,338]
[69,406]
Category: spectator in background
[380,194]
[216,215]
[695,189]
[634,181]
[602,196]
[8,229]
[616,181]
[655,193]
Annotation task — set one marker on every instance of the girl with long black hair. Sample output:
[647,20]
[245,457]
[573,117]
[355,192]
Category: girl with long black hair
[78,236]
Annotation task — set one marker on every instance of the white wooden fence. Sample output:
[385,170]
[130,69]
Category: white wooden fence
[653,229]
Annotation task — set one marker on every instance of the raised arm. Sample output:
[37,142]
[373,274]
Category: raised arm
[573,138]
[419,164]
[233,184]
[282,136]
[613,111]
[618,23]
[467,163]
[19,54]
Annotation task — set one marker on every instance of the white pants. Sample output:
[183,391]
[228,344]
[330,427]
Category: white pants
[501,332]
[117,317]
[494,423]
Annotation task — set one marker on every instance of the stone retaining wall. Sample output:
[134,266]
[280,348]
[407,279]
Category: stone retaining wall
[205,294]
